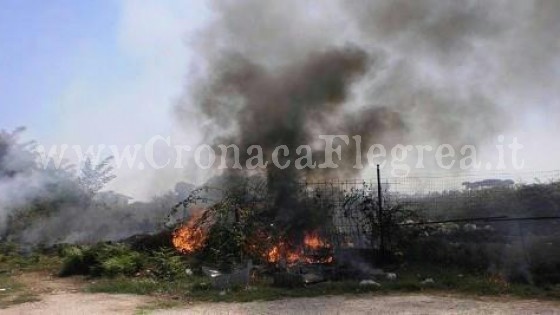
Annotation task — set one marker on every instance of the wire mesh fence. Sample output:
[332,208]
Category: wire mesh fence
[509,222]
[516,207]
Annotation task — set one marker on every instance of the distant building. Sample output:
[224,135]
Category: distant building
[489,183]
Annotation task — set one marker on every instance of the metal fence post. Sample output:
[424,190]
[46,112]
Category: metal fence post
[380,216]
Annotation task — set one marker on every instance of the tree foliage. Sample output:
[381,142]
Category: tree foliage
[93,177]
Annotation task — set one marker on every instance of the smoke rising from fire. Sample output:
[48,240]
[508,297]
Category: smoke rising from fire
[420,72]
[282,72]
[391,71]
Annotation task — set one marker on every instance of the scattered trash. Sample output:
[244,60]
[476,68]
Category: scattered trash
[211,272]
[428,281]
[189,272]
[223,292]
[239,277]
[375,272]
[369,283]
[4,289]
[312,277]
[391,276]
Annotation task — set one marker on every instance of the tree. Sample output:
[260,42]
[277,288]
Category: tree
[93,177]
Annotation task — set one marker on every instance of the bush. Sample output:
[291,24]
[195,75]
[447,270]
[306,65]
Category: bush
[8,248]
[74,262]
[122,265]
[167,264]
[111,260]
[101,260]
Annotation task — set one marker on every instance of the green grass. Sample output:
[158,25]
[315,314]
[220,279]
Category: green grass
[197,289]
[457,281]
[177,289]
[446,281]
[9,263]
[141,286]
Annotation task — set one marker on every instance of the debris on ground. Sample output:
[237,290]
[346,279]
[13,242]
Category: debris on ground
[313,277]
[428,281]
[222,281]
[369,282]
[376,272]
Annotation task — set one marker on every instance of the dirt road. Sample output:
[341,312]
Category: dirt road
[63,296]
[394,304]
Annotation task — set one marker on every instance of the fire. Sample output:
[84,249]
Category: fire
[281,251]
[273,255]
[314,241]
[311,252]
[189,237]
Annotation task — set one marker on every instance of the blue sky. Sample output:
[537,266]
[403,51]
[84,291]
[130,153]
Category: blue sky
[97,72]
[109,72]
[43,43]
[64,63]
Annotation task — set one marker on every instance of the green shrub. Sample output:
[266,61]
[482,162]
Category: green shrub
[127,264]
[75,262]
[101,260]
[8,248]
[166,264]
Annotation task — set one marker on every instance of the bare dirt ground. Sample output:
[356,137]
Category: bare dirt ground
[392,304]
[64,296]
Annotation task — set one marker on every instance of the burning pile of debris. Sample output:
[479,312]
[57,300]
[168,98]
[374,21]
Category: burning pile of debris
[227,234]
[313,250]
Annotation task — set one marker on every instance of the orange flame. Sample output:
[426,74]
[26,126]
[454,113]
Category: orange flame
[280,252]
[189,237]
[273,255]
[312,241]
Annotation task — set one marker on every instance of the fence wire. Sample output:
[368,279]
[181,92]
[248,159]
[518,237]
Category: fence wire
[514,205]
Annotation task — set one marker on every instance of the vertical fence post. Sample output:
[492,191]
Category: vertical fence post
[380,217]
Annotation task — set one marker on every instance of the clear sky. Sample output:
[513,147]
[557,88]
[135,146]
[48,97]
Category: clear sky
[41,45]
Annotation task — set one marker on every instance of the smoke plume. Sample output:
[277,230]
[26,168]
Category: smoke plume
[412,72]
[391,71]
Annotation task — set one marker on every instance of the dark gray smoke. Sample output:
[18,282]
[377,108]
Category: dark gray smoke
[415,72]
[289,106]
[281,73]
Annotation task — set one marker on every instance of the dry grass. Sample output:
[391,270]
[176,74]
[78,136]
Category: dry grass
[13,292]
